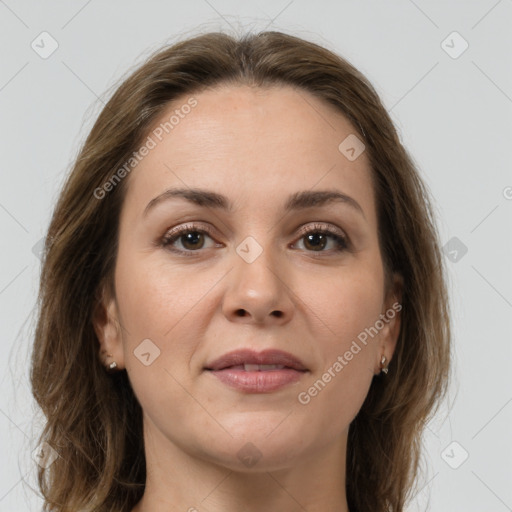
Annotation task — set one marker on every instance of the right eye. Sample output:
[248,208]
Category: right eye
[191,237]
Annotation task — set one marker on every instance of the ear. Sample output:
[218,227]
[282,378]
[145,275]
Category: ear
[105,320]
[392,306]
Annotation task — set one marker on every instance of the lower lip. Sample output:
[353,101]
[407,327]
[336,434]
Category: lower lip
[257,381]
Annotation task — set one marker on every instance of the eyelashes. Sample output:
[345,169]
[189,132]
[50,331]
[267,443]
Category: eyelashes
[190,234]
[340,240]
[174,235]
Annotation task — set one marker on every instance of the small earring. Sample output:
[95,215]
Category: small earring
[382,363]
[113,365]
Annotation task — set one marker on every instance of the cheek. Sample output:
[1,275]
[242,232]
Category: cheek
[345,307]
[335,393]
[154,296]
[333,399]
[345,303]
[166,305]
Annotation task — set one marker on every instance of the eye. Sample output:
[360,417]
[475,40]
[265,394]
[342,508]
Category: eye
[191,237]
[316,238]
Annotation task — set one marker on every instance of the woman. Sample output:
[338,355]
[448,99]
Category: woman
[242,301]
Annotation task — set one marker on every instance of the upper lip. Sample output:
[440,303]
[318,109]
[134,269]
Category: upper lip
[247,356]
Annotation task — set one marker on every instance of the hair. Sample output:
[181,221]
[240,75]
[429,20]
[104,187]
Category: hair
[92,418]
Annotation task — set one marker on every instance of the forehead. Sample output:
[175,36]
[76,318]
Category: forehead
[250,143]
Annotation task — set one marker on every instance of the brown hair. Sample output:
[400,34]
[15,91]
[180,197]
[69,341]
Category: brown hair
[93,419]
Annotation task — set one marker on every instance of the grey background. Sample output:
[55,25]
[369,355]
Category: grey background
[453,115]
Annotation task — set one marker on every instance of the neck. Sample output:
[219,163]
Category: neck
[177,480]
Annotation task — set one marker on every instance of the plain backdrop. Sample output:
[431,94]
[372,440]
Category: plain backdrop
[443,71]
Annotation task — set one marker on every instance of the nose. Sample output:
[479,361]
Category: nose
[257,292]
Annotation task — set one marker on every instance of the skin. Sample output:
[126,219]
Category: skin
[256,146]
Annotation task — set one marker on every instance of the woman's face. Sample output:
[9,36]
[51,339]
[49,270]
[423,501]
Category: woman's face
[280,267]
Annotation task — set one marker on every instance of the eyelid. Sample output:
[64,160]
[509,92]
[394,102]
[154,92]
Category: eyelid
[192,226]
[321,226]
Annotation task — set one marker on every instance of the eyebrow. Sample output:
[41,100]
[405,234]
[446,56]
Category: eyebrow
[295,202]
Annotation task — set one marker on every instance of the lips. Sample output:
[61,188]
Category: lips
[248,371]
[250,360]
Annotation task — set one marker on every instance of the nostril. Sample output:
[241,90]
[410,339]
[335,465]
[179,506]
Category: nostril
[243,312]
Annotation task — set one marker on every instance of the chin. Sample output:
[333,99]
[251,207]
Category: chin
[249,457]
[257,446]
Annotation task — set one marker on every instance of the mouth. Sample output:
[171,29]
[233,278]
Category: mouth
[250,360]
[257,372]
[247,367]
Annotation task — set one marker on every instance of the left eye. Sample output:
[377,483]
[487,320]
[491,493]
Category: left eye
[317,240]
